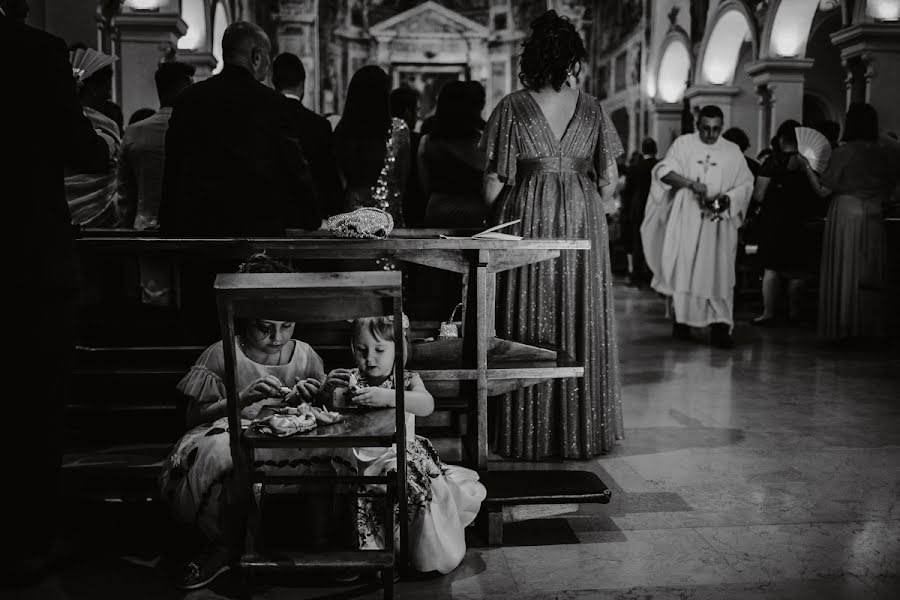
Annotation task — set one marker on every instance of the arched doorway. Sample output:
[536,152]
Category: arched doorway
[729,47]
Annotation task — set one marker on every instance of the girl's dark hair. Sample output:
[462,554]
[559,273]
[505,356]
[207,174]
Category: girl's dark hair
[457,114]
[367,109]
[552,50]
[787,133]
[360,135]
[861,123]
[259,263]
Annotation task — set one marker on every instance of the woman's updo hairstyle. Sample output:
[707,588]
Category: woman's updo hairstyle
[551,52]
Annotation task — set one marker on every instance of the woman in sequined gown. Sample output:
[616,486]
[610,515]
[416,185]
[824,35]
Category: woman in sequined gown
[373,150]
[551,147]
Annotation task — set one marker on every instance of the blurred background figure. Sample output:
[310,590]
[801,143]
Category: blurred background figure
[140,114]
[738,136]
[854,283]
[831,130]
[450,163]
[789,190]
[313,132]
[373,149]
[142,156]
[634,200]
[46,130]
[91,196]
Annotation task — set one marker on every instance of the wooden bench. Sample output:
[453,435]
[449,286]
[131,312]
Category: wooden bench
[506,489]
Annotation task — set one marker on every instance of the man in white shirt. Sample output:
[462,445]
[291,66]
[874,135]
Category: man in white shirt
[143,153]
[698,197]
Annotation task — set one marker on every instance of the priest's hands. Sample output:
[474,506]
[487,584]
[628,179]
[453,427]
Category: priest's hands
[700,189]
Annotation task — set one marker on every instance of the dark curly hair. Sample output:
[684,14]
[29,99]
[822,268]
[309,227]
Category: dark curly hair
[553,49]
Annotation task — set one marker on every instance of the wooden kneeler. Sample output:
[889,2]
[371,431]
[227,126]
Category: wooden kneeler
[519,488]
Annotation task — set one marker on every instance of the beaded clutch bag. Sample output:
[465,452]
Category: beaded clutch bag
[365,223]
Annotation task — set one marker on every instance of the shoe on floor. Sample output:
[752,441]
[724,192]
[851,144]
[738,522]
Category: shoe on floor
[680,331]
[763,322]
[720,336]
[203,571]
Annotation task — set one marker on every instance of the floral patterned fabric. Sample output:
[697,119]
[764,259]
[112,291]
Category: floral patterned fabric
[195,476]
[441,500]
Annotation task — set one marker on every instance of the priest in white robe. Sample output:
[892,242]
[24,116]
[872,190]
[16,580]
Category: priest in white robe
[690,246]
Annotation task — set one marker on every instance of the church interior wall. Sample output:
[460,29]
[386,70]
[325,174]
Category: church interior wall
[745,105]
[72,20]
[825,80]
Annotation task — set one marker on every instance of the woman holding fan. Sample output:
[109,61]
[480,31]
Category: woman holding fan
[789,189]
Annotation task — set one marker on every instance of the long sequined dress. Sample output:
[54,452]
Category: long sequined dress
[552,185]
[386,192]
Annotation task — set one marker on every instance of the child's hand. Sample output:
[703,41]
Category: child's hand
[304,389]
[374,397]
[339,378]
[264,387]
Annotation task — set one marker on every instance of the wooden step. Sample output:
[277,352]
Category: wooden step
[372,560]
[532,488]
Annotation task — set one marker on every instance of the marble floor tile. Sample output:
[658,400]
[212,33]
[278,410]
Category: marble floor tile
[644,558]
[771,553]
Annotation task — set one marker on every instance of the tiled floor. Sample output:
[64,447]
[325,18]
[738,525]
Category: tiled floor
[769,471]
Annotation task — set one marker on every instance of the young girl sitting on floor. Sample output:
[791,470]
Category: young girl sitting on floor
[442,499]
[197,474]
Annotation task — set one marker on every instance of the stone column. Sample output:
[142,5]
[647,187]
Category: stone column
[783,79]
[764,122]
[875,50]
[202,60]
[718,95]
[143,38]
[665,124]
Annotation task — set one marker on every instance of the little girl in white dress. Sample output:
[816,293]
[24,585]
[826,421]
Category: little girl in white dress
[442,499]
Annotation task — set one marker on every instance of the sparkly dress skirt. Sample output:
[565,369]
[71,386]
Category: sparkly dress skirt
[568,303]
[854,284]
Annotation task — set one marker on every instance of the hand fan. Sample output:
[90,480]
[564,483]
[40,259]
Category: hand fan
[87,61]
[814,146]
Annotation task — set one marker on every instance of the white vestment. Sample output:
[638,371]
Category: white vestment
[691,256]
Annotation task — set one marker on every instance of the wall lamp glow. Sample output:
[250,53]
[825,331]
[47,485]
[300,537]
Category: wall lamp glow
[148,5]
[884,10]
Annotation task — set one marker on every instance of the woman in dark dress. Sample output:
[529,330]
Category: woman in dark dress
[790,191]
[549,148]
[451,164]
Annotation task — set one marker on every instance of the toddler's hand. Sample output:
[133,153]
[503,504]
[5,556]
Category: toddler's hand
[374,397]
[339,378]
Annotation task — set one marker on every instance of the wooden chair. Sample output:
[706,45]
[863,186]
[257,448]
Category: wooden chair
[313,297]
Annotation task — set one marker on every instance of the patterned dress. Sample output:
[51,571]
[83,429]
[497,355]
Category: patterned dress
[552,185]
[442,500]
[195,476]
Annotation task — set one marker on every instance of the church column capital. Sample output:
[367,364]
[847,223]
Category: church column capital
[142,40]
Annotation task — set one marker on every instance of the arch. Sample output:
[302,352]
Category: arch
[732,24]
[221,20]
[788,24]
[673,67]
[195,14]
